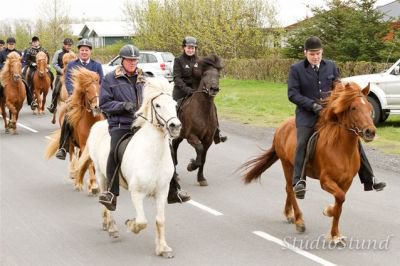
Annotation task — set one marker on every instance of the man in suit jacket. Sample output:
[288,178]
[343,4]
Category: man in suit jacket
[310,81]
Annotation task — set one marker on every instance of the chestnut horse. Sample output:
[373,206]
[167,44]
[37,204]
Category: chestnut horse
[63,96]
[82,110]
[14,91]
[40,82]
[345,119]
[198,115]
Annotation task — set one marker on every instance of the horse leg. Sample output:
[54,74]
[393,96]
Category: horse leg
[162,248]
[109,224]
[292,211]
[198,146]
[334,210]
[93,188]
[200,176]
[12,123]
[140,222]
[4,114]
[44,100]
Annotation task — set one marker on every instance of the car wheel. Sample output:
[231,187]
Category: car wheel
[385,115]
[376,110]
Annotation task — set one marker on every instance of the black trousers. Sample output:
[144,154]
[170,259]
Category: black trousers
[66,131]
[303,135]
[56,91]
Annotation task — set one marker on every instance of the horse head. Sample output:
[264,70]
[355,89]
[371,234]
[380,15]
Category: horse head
[86,85]
[348,106]
[158,107]
[41,63]
[68,57]
[209,74]
[13,67]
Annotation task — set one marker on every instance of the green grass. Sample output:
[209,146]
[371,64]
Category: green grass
[265,104]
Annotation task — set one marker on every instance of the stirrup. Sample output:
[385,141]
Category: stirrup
[300,189]
[109,200]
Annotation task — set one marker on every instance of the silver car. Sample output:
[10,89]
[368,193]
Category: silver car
[151,62]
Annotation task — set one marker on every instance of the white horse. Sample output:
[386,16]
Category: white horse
[147,164]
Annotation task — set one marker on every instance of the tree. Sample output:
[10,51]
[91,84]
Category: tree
[232,28]
[350,30]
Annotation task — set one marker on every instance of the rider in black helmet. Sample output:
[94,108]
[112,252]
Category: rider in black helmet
[183,77]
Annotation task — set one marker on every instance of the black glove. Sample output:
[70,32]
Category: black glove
[316,108]
[130,107]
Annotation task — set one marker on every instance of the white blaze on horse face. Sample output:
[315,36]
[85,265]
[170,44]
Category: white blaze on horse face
[363,101]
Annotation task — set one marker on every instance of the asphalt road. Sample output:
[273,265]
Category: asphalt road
[45,222]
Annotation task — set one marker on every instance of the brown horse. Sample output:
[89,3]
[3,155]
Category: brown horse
[82,110]
[62,98]
[41,82]
[14,91]
[345,119]
[198,115]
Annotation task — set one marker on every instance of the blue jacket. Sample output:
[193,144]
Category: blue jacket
[306,87]
[117,89]
[93,66]
[3,56]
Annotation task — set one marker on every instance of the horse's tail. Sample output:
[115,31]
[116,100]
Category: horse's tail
[255,167]
[81,167]
[52,147]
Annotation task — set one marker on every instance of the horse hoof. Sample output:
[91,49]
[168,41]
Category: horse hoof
[203,183]
[7,131]
[114,234]
[326,210]
[340,242]
[167,254]
[301,228]
[290,220]
[192,165]
[95,191]
[104,227]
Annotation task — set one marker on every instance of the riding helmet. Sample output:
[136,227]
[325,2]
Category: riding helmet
[11,40]
[189,41]
[84,42]
[129,51]
[313,43]
[68,41]
[2,42]
[35,39]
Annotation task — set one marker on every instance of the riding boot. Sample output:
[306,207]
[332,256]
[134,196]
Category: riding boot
[51,77]
[1,90]
[54,97]
[218,137]
[366,174]
[299,180]
[33,103]
[66,131]
[109,197]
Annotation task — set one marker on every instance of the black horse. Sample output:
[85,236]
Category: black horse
[198,115]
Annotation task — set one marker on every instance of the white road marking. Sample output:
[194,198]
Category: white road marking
[204,208]
[21,125]
[293,248]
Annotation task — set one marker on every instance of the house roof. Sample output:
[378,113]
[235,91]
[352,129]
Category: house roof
[109,28]
[390,10]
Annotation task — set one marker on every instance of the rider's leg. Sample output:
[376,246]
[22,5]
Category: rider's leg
[218,137]
[109,198]
[55,95]
[298,182]
[66,132]
[30,89]
[175,194]
[366,174]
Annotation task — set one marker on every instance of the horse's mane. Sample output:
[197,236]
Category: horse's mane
[82,78]
[152,88]
[5,74]
[337,104]
[210,61]
[41,56]
[68,57]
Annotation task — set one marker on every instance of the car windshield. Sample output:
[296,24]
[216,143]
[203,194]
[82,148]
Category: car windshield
[167,57]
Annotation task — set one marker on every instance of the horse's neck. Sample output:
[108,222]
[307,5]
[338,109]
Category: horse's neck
[339,138]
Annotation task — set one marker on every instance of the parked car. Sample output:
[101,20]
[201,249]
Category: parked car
[384,93]
[152,62]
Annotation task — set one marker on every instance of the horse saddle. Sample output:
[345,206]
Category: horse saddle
[122,144]
[310,151]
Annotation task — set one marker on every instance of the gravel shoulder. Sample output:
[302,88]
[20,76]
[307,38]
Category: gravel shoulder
[377,158]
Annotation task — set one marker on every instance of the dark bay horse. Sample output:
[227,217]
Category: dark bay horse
[345,119]
[198,115]
[41,82]
[14,91]
[83,111]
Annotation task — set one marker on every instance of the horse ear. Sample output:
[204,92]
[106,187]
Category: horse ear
[365,91]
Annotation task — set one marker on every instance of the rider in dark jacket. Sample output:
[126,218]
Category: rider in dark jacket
[29,65]
[184,66]
[121,96]
[309,82]
[58,66]
[4,53]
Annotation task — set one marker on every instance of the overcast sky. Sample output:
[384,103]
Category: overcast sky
[289,11]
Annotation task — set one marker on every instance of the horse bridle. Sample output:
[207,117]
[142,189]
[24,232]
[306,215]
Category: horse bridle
[161,122]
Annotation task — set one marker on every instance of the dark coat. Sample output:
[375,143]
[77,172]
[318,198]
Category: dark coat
[3,56]
[30,56]
[92,66]
[306,87]
[183,76]
[117,89]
